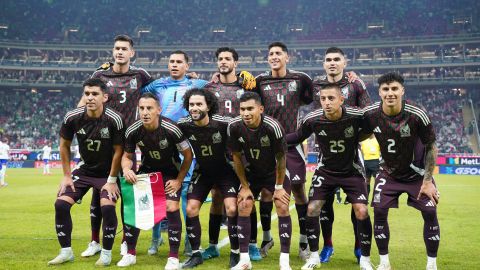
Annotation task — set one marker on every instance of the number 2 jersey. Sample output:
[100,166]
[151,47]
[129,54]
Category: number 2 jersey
[282,97]
[96,138]
[124,89]
[397,136]
[337,140]
[160,147]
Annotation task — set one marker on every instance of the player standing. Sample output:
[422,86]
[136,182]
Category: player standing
[99,132]
[46,155]
[4,157]
[336,130]
[124,82]
[160,141]
[228,91]
[262,140]
[207,133]
[283,91]
[356,95]
[398,124]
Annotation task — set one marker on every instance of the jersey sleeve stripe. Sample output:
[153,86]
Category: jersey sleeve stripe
[418,112]
[133,127]
[275,126]
[234,120]
[185,120]
[172,128]
[312,115]
[116,117]
[300,72]
[72,113]
[354,111]
[221,118]
[374,106]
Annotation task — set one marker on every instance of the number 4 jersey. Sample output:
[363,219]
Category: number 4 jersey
[96,138]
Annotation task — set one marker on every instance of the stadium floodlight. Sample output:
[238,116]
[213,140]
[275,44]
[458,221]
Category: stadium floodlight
[462,20]
[3,26]
[376,25]
[295,27]
[142,30]
[219,29]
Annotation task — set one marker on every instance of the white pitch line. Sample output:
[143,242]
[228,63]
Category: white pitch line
[225,241]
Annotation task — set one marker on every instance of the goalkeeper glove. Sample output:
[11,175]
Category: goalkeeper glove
[105,66]
[247,80]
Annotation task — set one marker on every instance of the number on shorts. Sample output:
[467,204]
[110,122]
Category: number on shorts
[381,182]
[317,181]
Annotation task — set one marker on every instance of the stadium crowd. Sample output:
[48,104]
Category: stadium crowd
[295,20]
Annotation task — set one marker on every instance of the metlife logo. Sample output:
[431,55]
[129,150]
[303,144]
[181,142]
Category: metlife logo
[460,170]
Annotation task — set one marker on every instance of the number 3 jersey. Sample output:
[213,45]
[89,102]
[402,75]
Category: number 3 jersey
[337,140]
[282,97]
[397,136]
[96,138]
[160,147]
[259,145]
[123,89]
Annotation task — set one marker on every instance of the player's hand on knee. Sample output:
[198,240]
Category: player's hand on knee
[66,182]
[172,186]
[112,190]
[244,194]
[130,176]
[428,189]
[282,196]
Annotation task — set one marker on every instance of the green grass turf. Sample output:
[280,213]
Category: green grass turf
[28,238]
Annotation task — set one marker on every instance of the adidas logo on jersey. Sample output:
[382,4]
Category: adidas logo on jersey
[109,84]
[268,87]
[192,138]
[322,133]
[362,197]
[430,203]
[81,131]
[296,178]
[434,238]
[232,190]
[377,130]
[241,140]
[140,143]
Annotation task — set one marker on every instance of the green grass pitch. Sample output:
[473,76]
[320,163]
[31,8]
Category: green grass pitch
[28,238]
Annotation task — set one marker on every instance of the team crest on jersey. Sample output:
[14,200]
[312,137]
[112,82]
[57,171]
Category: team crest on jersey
[217,137]
[345,91]
[265,141]
[292,86]
[104,133]
[133,83]
[240,92]
[405,131]
[163,144]
[349,132]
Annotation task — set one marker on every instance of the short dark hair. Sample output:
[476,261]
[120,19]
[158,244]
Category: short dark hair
[150,95]
[278,44]
[330,86]
[389,78]
[210,99]
[181,52]
[95,82]
[124,38]
[251,95]
[334,50]
[227,49]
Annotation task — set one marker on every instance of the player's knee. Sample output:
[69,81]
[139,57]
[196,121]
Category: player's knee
[193,209]
[361,212]
[245,207]
[380,214]
[282,208]
[429,215]
[172,206]
[62,206]
[231,209]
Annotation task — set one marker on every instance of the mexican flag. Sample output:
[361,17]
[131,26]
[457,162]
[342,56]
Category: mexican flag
[144,203]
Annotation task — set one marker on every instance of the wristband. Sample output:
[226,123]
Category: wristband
[112,179]
[278,187]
